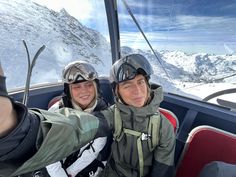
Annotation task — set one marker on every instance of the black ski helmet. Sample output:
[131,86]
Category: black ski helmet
[78,71]
[128,67]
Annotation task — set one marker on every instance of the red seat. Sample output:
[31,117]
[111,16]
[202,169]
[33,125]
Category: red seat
[54,100]
[206,144]
[171,117]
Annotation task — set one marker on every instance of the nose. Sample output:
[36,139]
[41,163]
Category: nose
[136,89]
[83,89]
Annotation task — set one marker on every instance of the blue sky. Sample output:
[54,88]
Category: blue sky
[207,26]
[191,26]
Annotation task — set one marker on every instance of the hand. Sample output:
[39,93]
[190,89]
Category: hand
[8,119]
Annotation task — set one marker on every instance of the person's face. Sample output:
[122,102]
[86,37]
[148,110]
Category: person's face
[134,92]
[83,93]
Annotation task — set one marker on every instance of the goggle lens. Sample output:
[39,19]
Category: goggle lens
[126,72]
[79,72]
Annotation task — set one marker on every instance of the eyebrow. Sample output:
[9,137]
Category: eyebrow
[141,79]
[129,82]
[125,83]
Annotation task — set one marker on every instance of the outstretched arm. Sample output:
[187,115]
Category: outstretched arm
[8,119]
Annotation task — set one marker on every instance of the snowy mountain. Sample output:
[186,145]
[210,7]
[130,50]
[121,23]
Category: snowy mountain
[202,67]
[67,40]
[191,67]
[65,37]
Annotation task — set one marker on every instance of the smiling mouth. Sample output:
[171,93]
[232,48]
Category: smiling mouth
[84,97]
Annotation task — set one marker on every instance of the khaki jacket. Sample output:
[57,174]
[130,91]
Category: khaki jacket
[59,134]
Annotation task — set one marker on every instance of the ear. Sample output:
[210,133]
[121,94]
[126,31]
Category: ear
[118,96]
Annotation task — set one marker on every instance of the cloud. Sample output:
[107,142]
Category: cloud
[193,25]
[169,23]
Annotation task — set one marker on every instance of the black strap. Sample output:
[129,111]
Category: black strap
[186,125]
[184,130]
[91,168]
[70,159]
[3,89]
[37,173]
[66,102]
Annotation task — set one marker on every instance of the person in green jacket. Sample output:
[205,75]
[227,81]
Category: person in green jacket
[143,139]
[32,139]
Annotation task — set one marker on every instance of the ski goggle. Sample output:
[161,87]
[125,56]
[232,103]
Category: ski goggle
[125,72]
[128,67]
[79,72]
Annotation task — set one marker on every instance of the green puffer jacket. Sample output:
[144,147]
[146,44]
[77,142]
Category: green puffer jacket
[58,135]
[124,159]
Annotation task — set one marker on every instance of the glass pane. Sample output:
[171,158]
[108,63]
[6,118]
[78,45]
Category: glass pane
[70,30]
[194,43]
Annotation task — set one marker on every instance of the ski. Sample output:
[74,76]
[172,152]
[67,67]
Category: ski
[29,70]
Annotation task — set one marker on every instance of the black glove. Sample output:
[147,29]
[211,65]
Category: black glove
[3,89]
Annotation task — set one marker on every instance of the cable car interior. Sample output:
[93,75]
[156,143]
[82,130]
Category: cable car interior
[203,31]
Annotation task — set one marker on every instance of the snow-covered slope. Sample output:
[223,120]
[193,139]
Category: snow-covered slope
[65,37]
[67,40]
[197,68]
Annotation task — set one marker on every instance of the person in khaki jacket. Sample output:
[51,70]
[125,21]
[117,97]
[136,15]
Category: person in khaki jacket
[32,139]
[144,140]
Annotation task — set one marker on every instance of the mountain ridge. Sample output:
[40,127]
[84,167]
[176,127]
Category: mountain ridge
[67,40]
